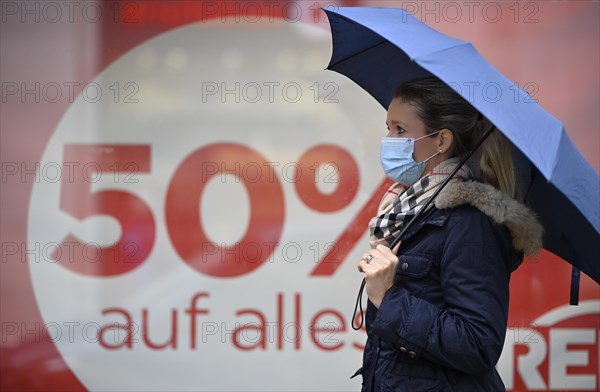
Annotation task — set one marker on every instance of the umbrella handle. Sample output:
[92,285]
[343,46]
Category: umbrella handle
[410,223]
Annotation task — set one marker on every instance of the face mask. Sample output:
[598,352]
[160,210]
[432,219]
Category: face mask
[397,159]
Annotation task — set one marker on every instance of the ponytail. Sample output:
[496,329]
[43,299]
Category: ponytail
[495,166]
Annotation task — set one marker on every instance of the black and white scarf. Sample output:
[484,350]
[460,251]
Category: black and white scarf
[400,204]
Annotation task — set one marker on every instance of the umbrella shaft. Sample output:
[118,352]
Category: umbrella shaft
[446,181]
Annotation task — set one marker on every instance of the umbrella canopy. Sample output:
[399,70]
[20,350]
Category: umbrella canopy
[379,48]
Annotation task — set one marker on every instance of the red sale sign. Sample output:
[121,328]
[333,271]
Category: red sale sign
[191,223]
[188,213]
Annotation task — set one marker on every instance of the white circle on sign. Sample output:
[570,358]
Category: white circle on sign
[225,209]
[190,329]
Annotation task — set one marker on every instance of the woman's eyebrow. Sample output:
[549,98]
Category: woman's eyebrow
[397,122]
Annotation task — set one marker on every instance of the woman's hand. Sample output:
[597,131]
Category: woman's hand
[379,268]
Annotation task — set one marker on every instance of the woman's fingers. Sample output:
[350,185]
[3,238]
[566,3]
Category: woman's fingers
[363,262]
[380,258]
[386,253]
[379,269]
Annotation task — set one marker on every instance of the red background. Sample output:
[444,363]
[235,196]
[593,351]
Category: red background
[559,53]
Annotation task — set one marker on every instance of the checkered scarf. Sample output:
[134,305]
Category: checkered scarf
[399,204]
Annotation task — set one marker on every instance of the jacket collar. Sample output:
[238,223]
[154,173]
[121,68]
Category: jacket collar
[523,225]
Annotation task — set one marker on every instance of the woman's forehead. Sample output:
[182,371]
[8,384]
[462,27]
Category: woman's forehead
[403,113]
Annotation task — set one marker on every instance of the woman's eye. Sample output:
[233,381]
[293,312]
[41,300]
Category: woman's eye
[397,130]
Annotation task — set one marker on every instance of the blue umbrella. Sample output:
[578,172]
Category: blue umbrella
[379,48]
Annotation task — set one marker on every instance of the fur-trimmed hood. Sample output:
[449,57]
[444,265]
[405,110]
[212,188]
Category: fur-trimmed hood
[524,227]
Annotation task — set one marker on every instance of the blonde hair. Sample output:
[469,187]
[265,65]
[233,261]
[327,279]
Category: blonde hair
[441,107]
[495,164]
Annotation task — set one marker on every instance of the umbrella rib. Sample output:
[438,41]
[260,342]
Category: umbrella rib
[357,54]
[447,48]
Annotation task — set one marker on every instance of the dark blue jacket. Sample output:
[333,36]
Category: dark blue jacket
[441,327]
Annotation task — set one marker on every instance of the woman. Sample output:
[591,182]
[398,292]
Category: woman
[438,303]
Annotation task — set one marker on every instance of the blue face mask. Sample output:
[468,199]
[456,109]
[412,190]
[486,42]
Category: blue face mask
[397,159]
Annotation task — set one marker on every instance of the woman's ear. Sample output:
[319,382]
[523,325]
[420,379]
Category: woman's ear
[446,138]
